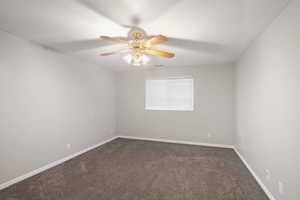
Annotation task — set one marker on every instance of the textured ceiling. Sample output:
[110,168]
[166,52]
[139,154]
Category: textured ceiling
[201,31]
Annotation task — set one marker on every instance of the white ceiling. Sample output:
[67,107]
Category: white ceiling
[214,31]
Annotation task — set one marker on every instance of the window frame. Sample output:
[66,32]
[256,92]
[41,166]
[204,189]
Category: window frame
[166,109]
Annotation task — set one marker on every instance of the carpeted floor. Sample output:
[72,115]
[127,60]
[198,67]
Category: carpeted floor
[141,170]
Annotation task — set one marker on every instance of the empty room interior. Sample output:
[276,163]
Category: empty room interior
[150,100]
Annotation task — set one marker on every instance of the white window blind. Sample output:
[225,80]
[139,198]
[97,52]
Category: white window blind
[170,94]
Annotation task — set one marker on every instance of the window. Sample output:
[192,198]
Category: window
[170,94]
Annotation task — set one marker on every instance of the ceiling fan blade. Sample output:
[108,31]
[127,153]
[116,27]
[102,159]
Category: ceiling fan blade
[156,40]
[199,46]
[160,53]
[127,13]
[113,39]
[113,52]
[117,12]
[82,45]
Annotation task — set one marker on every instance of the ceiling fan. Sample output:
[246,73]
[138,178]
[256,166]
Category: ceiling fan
[139,45]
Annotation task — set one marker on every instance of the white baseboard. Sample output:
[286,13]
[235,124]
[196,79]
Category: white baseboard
[259,181]
[53,164]
[179,142]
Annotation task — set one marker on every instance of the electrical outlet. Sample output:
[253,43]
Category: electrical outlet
[209,135]
[268,174]
[280,187]
[69,146]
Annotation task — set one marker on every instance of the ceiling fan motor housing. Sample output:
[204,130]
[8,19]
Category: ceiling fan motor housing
[136,34]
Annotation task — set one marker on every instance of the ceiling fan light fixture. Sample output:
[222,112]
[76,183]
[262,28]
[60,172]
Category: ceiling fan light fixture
[136,60]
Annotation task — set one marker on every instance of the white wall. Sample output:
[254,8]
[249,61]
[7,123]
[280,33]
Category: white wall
[213,106]
[268,104]
[48,100]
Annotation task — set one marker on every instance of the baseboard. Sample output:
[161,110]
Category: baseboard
[53,164]
[179,142]
[259,181]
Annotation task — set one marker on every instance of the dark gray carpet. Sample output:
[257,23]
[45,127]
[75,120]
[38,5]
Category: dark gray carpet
[141,170]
